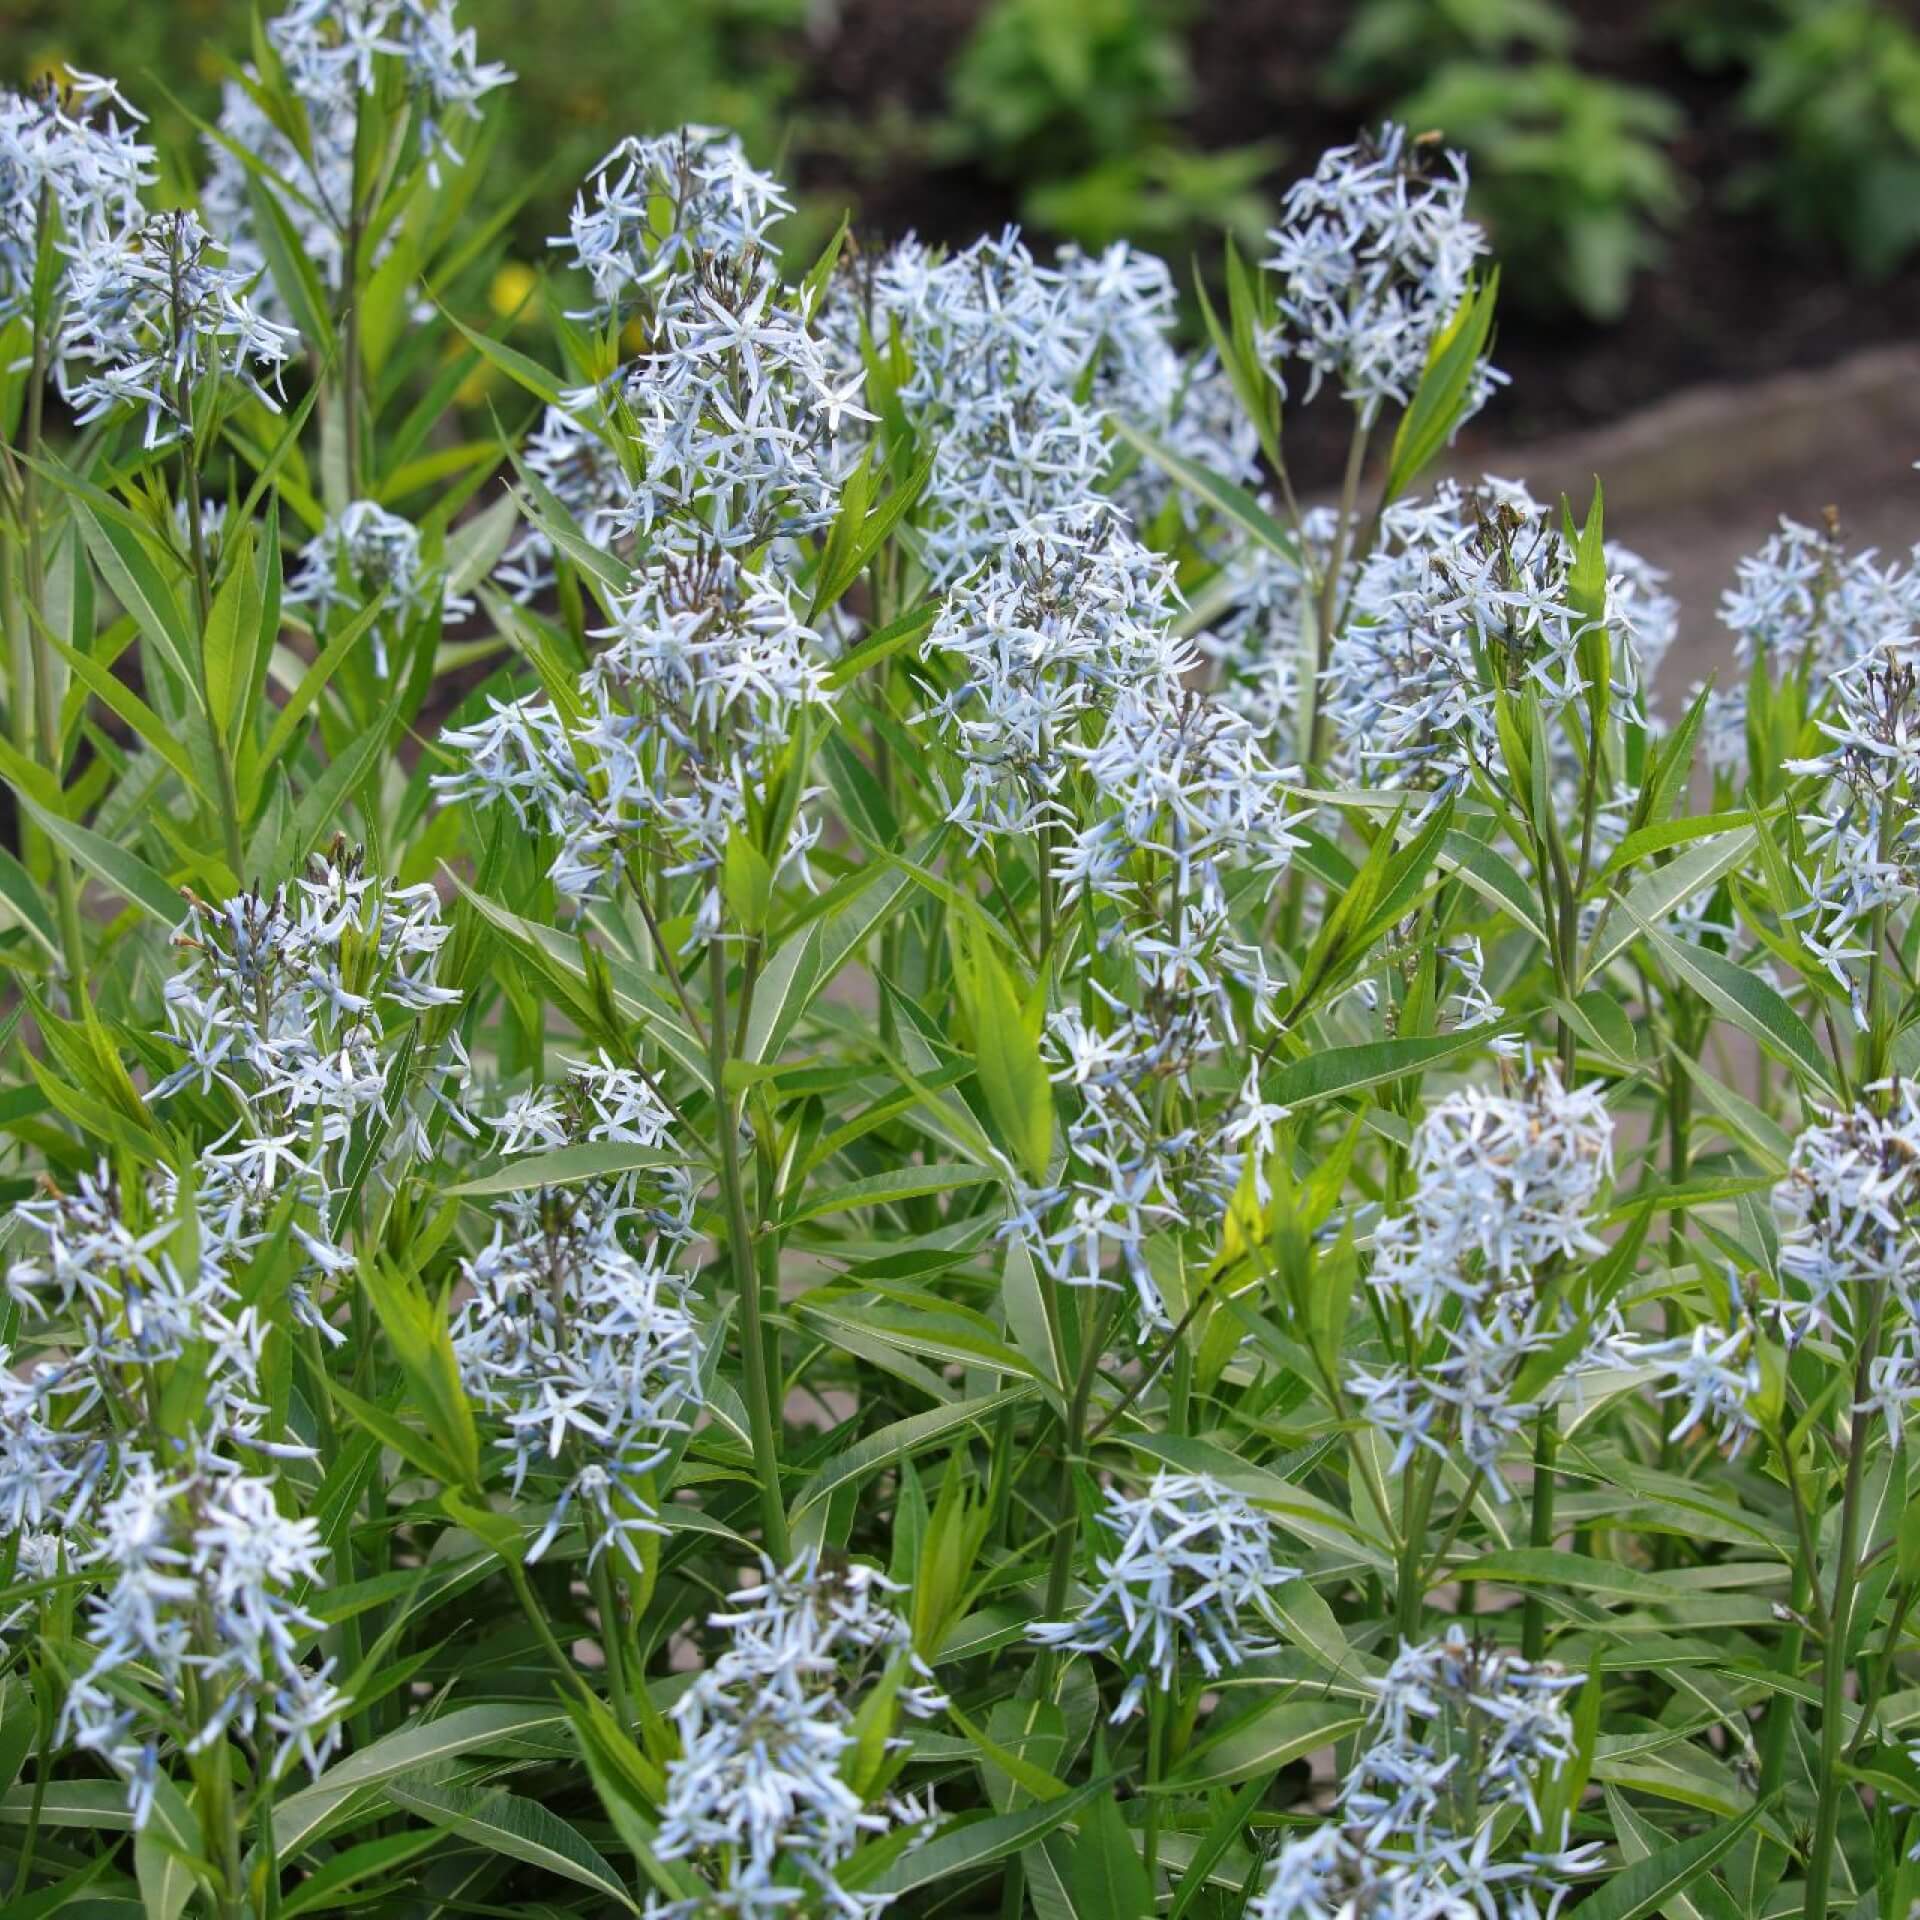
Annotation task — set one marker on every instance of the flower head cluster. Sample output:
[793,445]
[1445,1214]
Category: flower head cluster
[152,310]
[1374,254]
[364,554]
[733,403]
[1805,604]
[282,1005]
[654,208]
[200,1567]
[1127,301]
[1714,1374]
[1459,1726]
[577,1332]
[1862,840]
[1850,1211]
[678,723]
[128,1277]
[1017,366]
[1188,1576]
[729,412]
[71,169]
[761,1789]
[331,53]
[1507,1184]
[1467,593]
[1033,648]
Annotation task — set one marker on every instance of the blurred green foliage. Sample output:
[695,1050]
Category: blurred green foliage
[1088,111]
[1836,84]
[1074,101]
[1570,172]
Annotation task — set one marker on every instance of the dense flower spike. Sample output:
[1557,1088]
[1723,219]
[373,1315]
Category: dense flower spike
[152,311]
[769,1733]
[330,54]
[1189,1577]
[72,167]
[1374,254]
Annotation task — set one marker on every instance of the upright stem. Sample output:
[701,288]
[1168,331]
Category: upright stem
[1330,586]
[1410,1592]
[1073,1440]
[1846,1574]
[46,716]
[746,1277]
[203,595]
[1546,1449]
[606,1599]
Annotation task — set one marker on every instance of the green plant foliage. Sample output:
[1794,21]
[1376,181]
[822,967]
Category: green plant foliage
[1837,88]
[1571,171]
[832,1130]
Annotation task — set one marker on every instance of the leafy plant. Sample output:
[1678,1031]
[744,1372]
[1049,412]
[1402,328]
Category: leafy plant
[1075,100]
[1570,172]
[1393,44]
[1837,88]
[840,1132]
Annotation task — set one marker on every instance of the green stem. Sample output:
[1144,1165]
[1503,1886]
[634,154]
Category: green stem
[1834,1663]
[203,593]
[606,1598]
[746,1277]
[1329,607]
[543,1630]
[1410,1590]
[1546,1449]
[1067,1520]
[1157,1704]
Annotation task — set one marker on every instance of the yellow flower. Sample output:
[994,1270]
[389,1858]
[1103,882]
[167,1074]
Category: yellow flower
[512,287]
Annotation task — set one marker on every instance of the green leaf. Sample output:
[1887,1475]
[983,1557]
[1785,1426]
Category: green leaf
[782,994]
[882,644]
[901,1441]
[286,722]
[120,699]
[295,277]
[233,631]
[746,883]
[1105,1876]
[566,1166]
[1665,890]
[967,1844]
[127,565]
[1648,1885]
[166,1853]
[1740,995]
[881,1189]
[498,1727]
[1263,1742]
[125,872]
[353,1866]
[29,910]
[1006,1043]
[1441,399]
[524,1830]
[1340,1070]
[514,364]
[1231,501]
